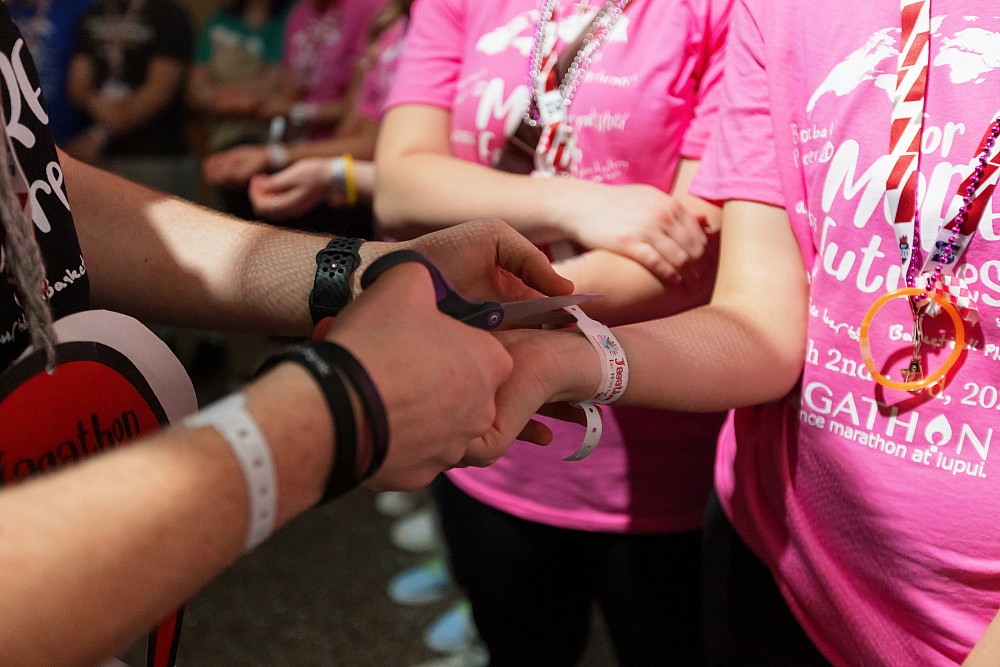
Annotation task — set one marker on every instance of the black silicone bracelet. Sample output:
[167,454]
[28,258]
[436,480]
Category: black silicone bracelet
[332,285]
[315,357]
[378,422]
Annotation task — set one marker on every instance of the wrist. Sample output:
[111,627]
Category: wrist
[360,434]
[561,358]
[580,367]
[559,220]
[301,439]
[332,289]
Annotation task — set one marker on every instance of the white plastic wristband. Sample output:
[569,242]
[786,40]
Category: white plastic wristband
[614,378]
[338,175]
[277,156]
[230,418]
[302,113]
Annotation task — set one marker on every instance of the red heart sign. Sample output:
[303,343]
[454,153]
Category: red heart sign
[114,381]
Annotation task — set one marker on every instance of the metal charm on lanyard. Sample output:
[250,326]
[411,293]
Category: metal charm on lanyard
[931,285]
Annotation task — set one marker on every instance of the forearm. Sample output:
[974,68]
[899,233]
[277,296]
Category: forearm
[746,346]
[133,533]
[360,143]
[421,186]
[161,259]
[703,360]
[419,193]
[632,293]
[743,348]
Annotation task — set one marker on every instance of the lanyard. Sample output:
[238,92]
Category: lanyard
[930,283]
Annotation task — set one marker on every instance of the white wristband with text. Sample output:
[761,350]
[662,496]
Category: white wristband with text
[614,378]
[229,417]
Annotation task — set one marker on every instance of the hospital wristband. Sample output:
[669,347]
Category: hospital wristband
[230,419]
[614,363]
[614,378]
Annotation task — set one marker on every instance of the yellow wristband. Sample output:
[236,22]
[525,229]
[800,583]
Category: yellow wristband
[351,189]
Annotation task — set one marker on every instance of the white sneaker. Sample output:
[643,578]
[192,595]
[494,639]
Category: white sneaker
[417,533]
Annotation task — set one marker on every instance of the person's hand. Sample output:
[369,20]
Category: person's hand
[293,191]
[638,221]
[437,377]
[485,259]
[551,368]
[235,166]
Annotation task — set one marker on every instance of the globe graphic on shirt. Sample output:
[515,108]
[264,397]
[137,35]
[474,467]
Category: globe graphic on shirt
[967,51]
[518,33]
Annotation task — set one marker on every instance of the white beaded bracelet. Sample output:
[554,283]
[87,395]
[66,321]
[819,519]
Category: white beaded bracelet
[229,417]
[614,378]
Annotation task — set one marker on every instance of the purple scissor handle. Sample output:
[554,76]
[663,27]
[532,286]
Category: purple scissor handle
[486,315]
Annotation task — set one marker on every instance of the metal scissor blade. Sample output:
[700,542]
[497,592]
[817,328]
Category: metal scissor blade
[544,310]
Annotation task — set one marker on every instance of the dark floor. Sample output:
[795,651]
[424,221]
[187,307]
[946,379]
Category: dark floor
[315,593]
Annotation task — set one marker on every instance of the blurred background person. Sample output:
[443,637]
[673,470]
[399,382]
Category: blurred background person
[330,182]
[236,70]
[324,43]
[127,73]
[47,27]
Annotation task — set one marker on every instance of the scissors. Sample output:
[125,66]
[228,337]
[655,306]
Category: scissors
[486,315]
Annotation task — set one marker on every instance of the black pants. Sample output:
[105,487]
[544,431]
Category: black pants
[747,621]
[533,586]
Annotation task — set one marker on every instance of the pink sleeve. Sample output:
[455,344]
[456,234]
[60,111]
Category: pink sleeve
[709,94]
[428,70]
[740,161]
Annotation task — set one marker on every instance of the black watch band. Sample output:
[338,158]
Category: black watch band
[332,287]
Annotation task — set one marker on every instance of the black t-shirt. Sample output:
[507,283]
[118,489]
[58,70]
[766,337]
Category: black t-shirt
[159,28]
[39,182]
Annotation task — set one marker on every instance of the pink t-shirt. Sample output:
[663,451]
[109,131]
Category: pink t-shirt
[647,99]
[322,47]
[876,510]
[381,75]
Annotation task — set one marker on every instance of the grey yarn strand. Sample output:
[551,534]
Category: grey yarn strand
[24,259]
